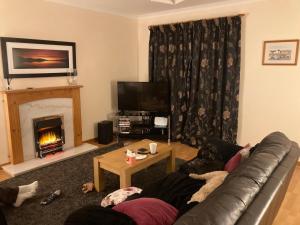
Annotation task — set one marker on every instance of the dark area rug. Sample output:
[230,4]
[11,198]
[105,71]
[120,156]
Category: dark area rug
[68,176]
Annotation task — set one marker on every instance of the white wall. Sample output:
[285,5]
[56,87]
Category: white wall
[106,52]
[269,95]
[111,48]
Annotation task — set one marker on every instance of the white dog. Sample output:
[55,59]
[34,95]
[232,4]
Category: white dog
[213,180]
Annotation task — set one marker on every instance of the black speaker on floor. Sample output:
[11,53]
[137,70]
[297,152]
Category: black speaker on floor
[105,132]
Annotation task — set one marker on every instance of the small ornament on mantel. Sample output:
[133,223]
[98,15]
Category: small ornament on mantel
[72,76]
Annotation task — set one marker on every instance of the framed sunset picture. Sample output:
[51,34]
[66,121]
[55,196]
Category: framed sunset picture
[37,58]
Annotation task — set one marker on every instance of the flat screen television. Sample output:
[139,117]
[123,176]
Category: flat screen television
[143,96]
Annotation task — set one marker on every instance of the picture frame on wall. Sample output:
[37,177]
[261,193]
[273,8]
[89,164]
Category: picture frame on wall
[280,52]
[22,58]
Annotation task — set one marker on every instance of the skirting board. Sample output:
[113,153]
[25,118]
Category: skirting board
[32,164]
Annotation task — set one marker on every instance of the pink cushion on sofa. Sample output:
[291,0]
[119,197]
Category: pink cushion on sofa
[148,211]
[233,162]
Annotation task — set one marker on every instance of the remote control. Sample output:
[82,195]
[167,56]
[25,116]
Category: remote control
[51,197]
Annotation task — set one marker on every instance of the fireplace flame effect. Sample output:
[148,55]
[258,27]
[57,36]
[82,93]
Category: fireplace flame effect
[48,138]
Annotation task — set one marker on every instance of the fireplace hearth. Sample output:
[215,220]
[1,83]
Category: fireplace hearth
[49,135]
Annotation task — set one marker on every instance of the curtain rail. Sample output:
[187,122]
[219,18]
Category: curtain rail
[241,14]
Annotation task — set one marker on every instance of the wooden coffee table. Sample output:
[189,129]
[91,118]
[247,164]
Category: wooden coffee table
[114,162]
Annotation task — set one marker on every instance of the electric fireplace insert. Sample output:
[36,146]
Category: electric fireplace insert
[49,135]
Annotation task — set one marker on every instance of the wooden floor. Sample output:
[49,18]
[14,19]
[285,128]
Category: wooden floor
[289,213]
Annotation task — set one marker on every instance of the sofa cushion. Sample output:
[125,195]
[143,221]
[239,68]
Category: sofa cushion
[228,202]
[148,211]
[233,163]
[239,157]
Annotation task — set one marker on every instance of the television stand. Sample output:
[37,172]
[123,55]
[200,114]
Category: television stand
[140,125]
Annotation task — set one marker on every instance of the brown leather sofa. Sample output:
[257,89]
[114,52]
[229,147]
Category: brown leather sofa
[253,193]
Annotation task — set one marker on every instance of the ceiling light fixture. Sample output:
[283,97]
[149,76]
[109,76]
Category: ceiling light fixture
[170,2]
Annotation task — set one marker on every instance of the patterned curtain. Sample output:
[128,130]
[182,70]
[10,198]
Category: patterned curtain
[201,62]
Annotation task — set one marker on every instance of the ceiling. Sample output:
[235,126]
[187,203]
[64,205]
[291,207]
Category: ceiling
[138,8]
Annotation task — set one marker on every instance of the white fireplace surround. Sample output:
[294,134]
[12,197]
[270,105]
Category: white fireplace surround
[43,108]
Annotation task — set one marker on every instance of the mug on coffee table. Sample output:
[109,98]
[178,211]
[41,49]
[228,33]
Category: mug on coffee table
[153,148]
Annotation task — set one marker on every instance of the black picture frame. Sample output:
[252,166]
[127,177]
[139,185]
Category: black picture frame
[69,49]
